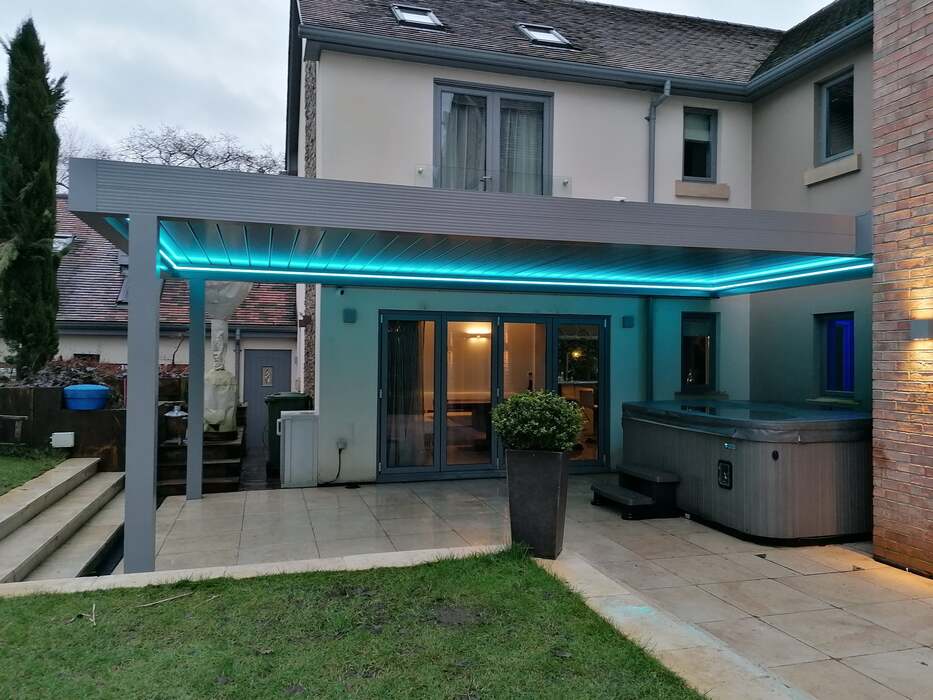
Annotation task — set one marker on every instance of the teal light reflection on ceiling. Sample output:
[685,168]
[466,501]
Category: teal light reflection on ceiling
[260,251]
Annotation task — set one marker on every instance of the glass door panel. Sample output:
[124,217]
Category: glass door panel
[469,393]
[410,393]
[521,146]
[463,147]
[524,357]
[578,361]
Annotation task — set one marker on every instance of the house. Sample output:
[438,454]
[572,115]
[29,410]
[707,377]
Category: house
[566,99]
[614,204]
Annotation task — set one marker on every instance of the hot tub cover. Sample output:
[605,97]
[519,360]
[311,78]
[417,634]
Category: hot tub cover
[757,421]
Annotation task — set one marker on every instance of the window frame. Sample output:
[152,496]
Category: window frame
[561,42]
[713,114]
[713,384]
[494,95]
[823,88]
[822,324]
[435,22]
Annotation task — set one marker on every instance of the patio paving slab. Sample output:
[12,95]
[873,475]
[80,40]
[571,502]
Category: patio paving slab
[693,604]
[640,574]
[838,633]
[760,564]
[763,643]
[902,582]
[842,589]
[764,597]
[362,545]
[909,673]
[428,540]
[832,680]
[710,568]
[798,562]
[909,618]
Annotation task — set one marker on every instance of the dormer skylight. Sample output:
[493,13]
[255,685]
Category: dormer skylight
[543,34]
[413,16]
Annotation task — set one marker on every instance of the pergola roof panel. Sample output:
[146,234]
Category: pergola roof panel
[305,230]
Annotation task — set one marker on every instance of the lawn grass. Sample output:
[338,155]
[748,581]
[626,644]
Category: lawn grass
[17,468]
[486,627]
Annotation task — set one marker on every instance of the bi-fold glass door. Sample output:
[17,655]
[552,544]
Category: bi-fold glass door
[442,374]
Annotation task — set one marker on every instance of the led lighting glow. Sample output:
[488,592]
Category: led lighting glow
[581,284]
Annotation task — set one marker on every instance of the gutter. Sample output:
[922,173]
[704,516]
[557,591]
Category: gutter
[652,118]
[409,50]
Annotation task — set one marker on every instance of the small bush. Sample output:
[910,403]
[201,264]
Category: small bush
[538,420]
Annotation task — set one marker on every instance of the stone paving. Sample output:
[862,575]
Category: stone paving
[828,620]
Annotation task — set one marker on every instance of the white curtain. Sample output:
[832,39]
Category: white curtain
[521,155]
[463,141]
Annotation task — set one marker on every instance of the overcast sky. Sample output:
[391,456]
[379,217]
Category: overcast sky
[219,65]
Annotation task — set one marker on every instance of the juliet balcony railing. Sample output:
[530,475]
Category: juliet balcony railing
[483,180]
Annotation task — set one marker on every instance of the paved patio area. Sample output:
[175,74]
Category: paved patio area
[829,620]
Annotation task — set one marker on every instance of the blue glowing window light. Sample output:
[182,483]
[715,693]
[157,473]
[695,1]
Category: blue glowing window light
[840,353]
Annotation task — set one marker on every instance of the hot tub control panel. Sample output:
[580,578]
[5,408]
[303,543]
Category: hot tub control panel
[724,474]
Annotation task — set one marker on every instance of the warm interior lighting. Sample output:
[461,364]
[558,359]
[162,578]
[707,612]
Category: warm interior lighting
[576,354]
[479,331]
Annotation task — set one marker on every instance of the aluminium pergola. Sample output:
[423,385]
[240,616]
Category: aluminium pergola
[202,225]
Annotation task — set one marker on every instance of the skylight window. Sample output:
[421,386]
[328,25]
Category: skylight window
[416,16]
[542,34]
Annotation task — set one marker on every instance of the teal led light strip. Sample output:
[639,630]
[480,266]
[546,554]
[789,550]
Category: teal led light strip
[499,281]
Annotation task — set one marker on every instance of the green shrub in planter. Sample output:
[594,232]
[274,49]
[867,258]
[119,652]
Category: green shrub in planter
[538,420]
[539,429]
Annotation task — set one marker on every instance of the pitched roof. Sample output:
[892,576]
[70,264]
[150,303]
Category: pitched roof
[89,281]
[604,35]
[815,28]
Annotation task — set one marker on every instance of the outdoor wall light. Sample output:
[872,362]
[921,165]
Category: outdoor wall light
[921,329]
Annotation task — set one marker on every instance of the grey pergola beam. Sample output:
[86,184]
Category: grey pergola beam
[195,453]
[142,395]
[100,188]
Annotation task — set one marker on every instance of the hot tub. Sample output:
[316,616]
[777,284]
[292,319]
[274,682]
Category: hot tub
[764,470]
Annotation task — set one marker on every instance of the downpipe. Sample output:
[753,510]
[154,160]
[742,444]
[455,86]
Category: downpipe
[652,120]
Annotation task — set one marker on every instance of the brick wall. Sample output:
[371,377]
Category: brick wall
[903,282]
[310,156]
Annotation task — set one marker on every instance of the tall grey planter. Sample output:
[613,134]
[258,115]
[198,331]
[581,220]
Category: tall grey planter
[538,499]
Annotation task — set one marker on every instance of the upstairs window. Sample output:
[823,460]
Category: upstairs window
[838,352]
[698,353]
[492,141]
[542,34]
[837,111]
[416,17]
[700,127]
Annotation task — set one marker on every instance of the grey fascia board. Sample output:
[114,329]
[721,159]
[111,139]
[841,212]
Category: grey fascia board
[390,47]
[369,44]
[823,50]
[225,196]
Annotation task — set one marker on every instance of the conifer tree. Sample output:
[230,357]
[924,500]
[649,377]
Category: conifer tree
[28,159]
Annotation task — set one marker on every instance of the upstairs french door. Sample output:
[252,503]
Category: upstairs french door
[441,374]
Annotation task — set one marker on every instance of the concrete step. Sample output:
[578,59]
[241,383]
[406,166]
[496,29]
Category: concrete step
[84,549]
[27,547]
[25,502]
[177,487]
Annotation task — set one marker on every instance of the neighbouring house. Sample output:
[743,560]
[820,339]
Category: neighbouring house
[614,204]
[92,310]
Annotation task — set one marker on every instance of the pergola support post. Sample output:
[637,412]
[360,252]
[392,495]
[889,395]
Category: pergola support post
[195,456]
[142,394]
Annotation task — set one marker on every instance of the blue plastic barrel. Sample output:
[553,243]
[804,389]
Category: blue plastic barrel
[86,397]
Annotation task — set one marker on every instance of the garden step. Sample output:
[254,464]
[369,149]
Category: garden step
[657,476]
[22,504]
[176,487]
[83,550]
[26,548]
[632,505]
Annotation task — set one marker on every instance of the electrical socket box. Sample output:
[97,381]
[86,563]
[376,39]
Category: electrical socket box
[63,440]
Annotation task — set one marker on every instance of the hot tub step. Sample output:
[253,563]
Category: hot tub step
[656,476]
[659,485]
[633,505]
